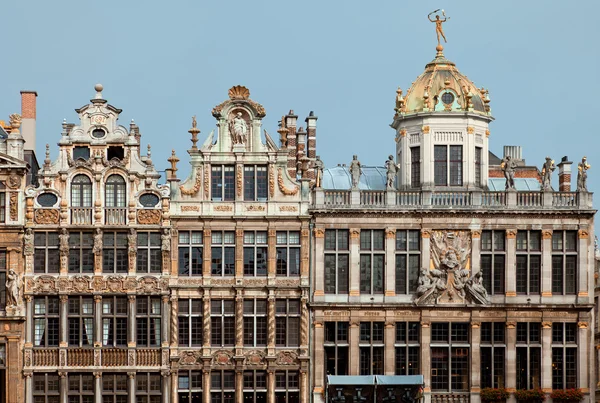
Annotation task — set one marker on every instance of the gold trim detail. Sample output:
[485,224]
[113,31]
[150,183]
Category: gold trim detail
[510,294]
[354,233]
[425,233]
[319,233]
[403,132]
[583,234]
[511,233]
[547,325]
[470,130]
[475,234]
[425,129]
[582,325]
[272,181]
[547,234]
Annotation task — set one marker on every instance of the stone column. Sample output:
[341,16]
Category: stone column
[165,386]
[271,324]
[389,352]
[304,256]
[64,388]
[174,385]
[13,367]
[98,387]
[510,380]
[319,359]
[390,268]
[353,340]
[131,387]
[546,263]
[164,330]
[584,266]
[29,321]
[28,387]
[64,312]
[476,252]
[304,386]
[239,323]
[270,385]
[239,253]
[206,254]
[546,381]
[584,361]
[304,323]
[206,323]
[425,248]
[131,321]
[354,269]
[475,361]
[319,262]
[272,253]
[510,278]
[427,161]
[98,320]
[206,386]
[174,321]
[426,359]
[239,386]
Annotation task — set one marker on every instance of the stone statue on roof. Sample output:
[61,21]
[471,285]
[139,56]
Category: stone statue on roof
[547,170]
[355,171]
[238,128]
[319,167]
[508,166]
[392,171]
[582,168]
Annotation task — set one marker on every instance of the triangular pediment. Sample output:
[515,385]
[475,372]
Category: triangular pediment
[7,161]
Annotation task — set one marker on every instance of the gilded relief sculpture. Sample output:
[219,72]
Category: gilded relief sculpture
[582,169]
[547,170]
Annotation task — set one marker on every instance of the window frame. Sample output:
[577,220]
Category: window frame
[415,167]
[252,387]
[190,253]
[286,252]
[494,376]
[407,274]
[150,318]
[448,170]
[51,260]
[150,392]
[149,255]
[337,343]
[114,394]
[115,192]
[225,319]
[340,253]
[371,349]
[407,345]
[222,184]
[532,341]
[193,386]
[493,274]
[85,390]
[78,321]
[81,245]
[225,266]
[48,394]
[287,322]
[453,349]
[372,262]
[528,254]
[255,185]
[46,316]
[564,373]
[255,322]
[114,319]
[564,282]
[81,191]
[190,326]
[254,266]
[117,252]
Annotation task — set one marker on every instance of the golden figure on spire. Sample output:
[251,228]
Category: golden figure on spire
[438,24]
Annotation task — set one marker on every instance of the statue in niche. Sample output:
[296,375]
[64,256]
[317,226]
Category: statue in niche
[13,288]
[547,170]
[319,167]
[98,243]
[508,166]
[238,129]
[28,246]
[63,238]
[355,171]
[392,172]
[582,168]
[166,240]
[132,242]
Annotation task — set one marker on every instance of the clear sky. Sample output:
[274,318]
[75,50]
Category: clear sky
[164,61]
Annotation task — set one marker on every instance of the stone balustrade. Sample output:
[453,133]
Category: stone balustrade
[475,199]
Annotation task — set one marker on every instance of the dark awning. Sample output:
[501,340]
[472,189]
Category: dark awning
[375,380]
[350,380]
[399,379]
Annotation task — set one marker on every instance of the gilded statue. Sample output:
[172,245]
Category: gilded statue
[508,166]
[438,24]
[319,167]
[582,168]
[547,170]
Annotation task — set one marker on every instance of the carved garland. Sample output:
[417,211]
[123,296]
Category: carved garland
[195,188]
[239,181]
[282,188]
[206,176]
[87,284]
[14,207]
[272,181]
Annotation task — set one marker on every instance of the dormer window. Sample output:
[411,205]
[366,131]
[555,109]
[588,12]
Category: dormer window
[448,165]
[115,152]
[81,152]
[98,133]
[447,98]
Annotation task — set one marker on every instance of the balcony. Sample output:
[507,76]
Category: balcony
[450,397]
[114,357]
[115,216]
[45,358]
[81,215]
[476,199]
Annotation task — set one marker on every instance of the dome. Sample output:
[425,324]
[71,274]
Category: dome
[441,87]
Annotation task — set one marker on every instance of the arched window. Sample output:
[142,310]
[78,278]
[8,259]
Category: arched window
[81,191]
[115,191]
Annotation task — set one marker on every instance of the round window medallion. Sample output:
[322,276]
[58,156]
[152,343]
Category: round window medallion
[47,199]
[98,133]
[149,200]
[447,98]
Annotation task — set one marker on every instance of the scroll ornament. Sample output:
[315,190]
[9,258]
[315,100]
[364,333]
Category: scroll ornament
[282,188]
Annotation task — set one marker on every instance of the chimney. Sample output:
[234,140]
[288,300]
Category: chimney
[290,123]
[28,112]
[564,175]
[311,146]
[515,153]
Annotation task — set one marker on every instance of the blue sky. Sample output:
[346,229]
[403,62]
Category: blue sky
[164,61]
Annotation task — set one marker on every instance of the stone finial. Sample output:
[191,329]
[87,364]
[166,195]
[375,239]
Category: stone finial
[98,87]
[47,160]
[173,160]
[194,131]
[149,156]
[283,132]
[15,122]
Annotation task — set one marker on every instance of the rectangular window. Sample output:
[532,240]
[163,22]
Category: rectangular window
[564,262]
[493,349]
[114,254]
[440,166]
[493,261]
[222,386]
[255,386]
[448,165]
[255,322]
[407,348]
[46,258]
[372,261]
[45,321]
[337,255]
[222,319]
[81,258]
[190,322]
[80,388]
[287,387]
[114,388]
[255,183]
[148,387]
[288,253]
[148,321]
[255,253]
[450,357]
[564,355]
[114,321]
[415,167]
[336,348]
[223,182]
[46,387]
[149,255]
[2,207]
[81,321]
[456,164]
[371,347]
[287,322]
[529,355]
[529,262]
[223,253]
[189,386]
[408,260]
[478,166]
[190,253]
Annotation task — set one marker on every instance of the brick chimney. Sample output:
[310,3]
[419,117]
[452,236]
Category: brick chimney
[564,174]
[28,112]
[290,123]
[311,146]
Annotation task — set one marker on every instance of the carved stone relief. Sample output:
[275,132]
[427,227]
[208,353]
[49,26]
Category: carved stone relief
[282,188]
[287,358]
[222,357]
[14,206]
[148,217]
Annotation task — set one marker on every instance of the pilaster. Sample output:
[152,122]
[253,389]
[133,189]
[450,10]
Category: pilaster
[354,270]
[390,269]
[426,358]
[353,340]
[511,358]
[389,351]
[511,261]
[319,262]
[546,381]
[546,263]
[583,361]
[319,357]
[475,362]
[584,265]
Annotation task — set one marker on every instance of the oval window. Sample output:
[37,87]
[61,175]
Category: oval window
[98,133]
[447,98]
[47,199]
[149,200]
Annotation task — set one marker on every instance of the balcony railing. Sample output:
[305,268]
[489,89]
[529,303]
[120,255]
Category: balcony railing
[114,357]
[80,357]
[45,358]
[81,215]
[148,358]
[423,199]
[450,397]
[115,215]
